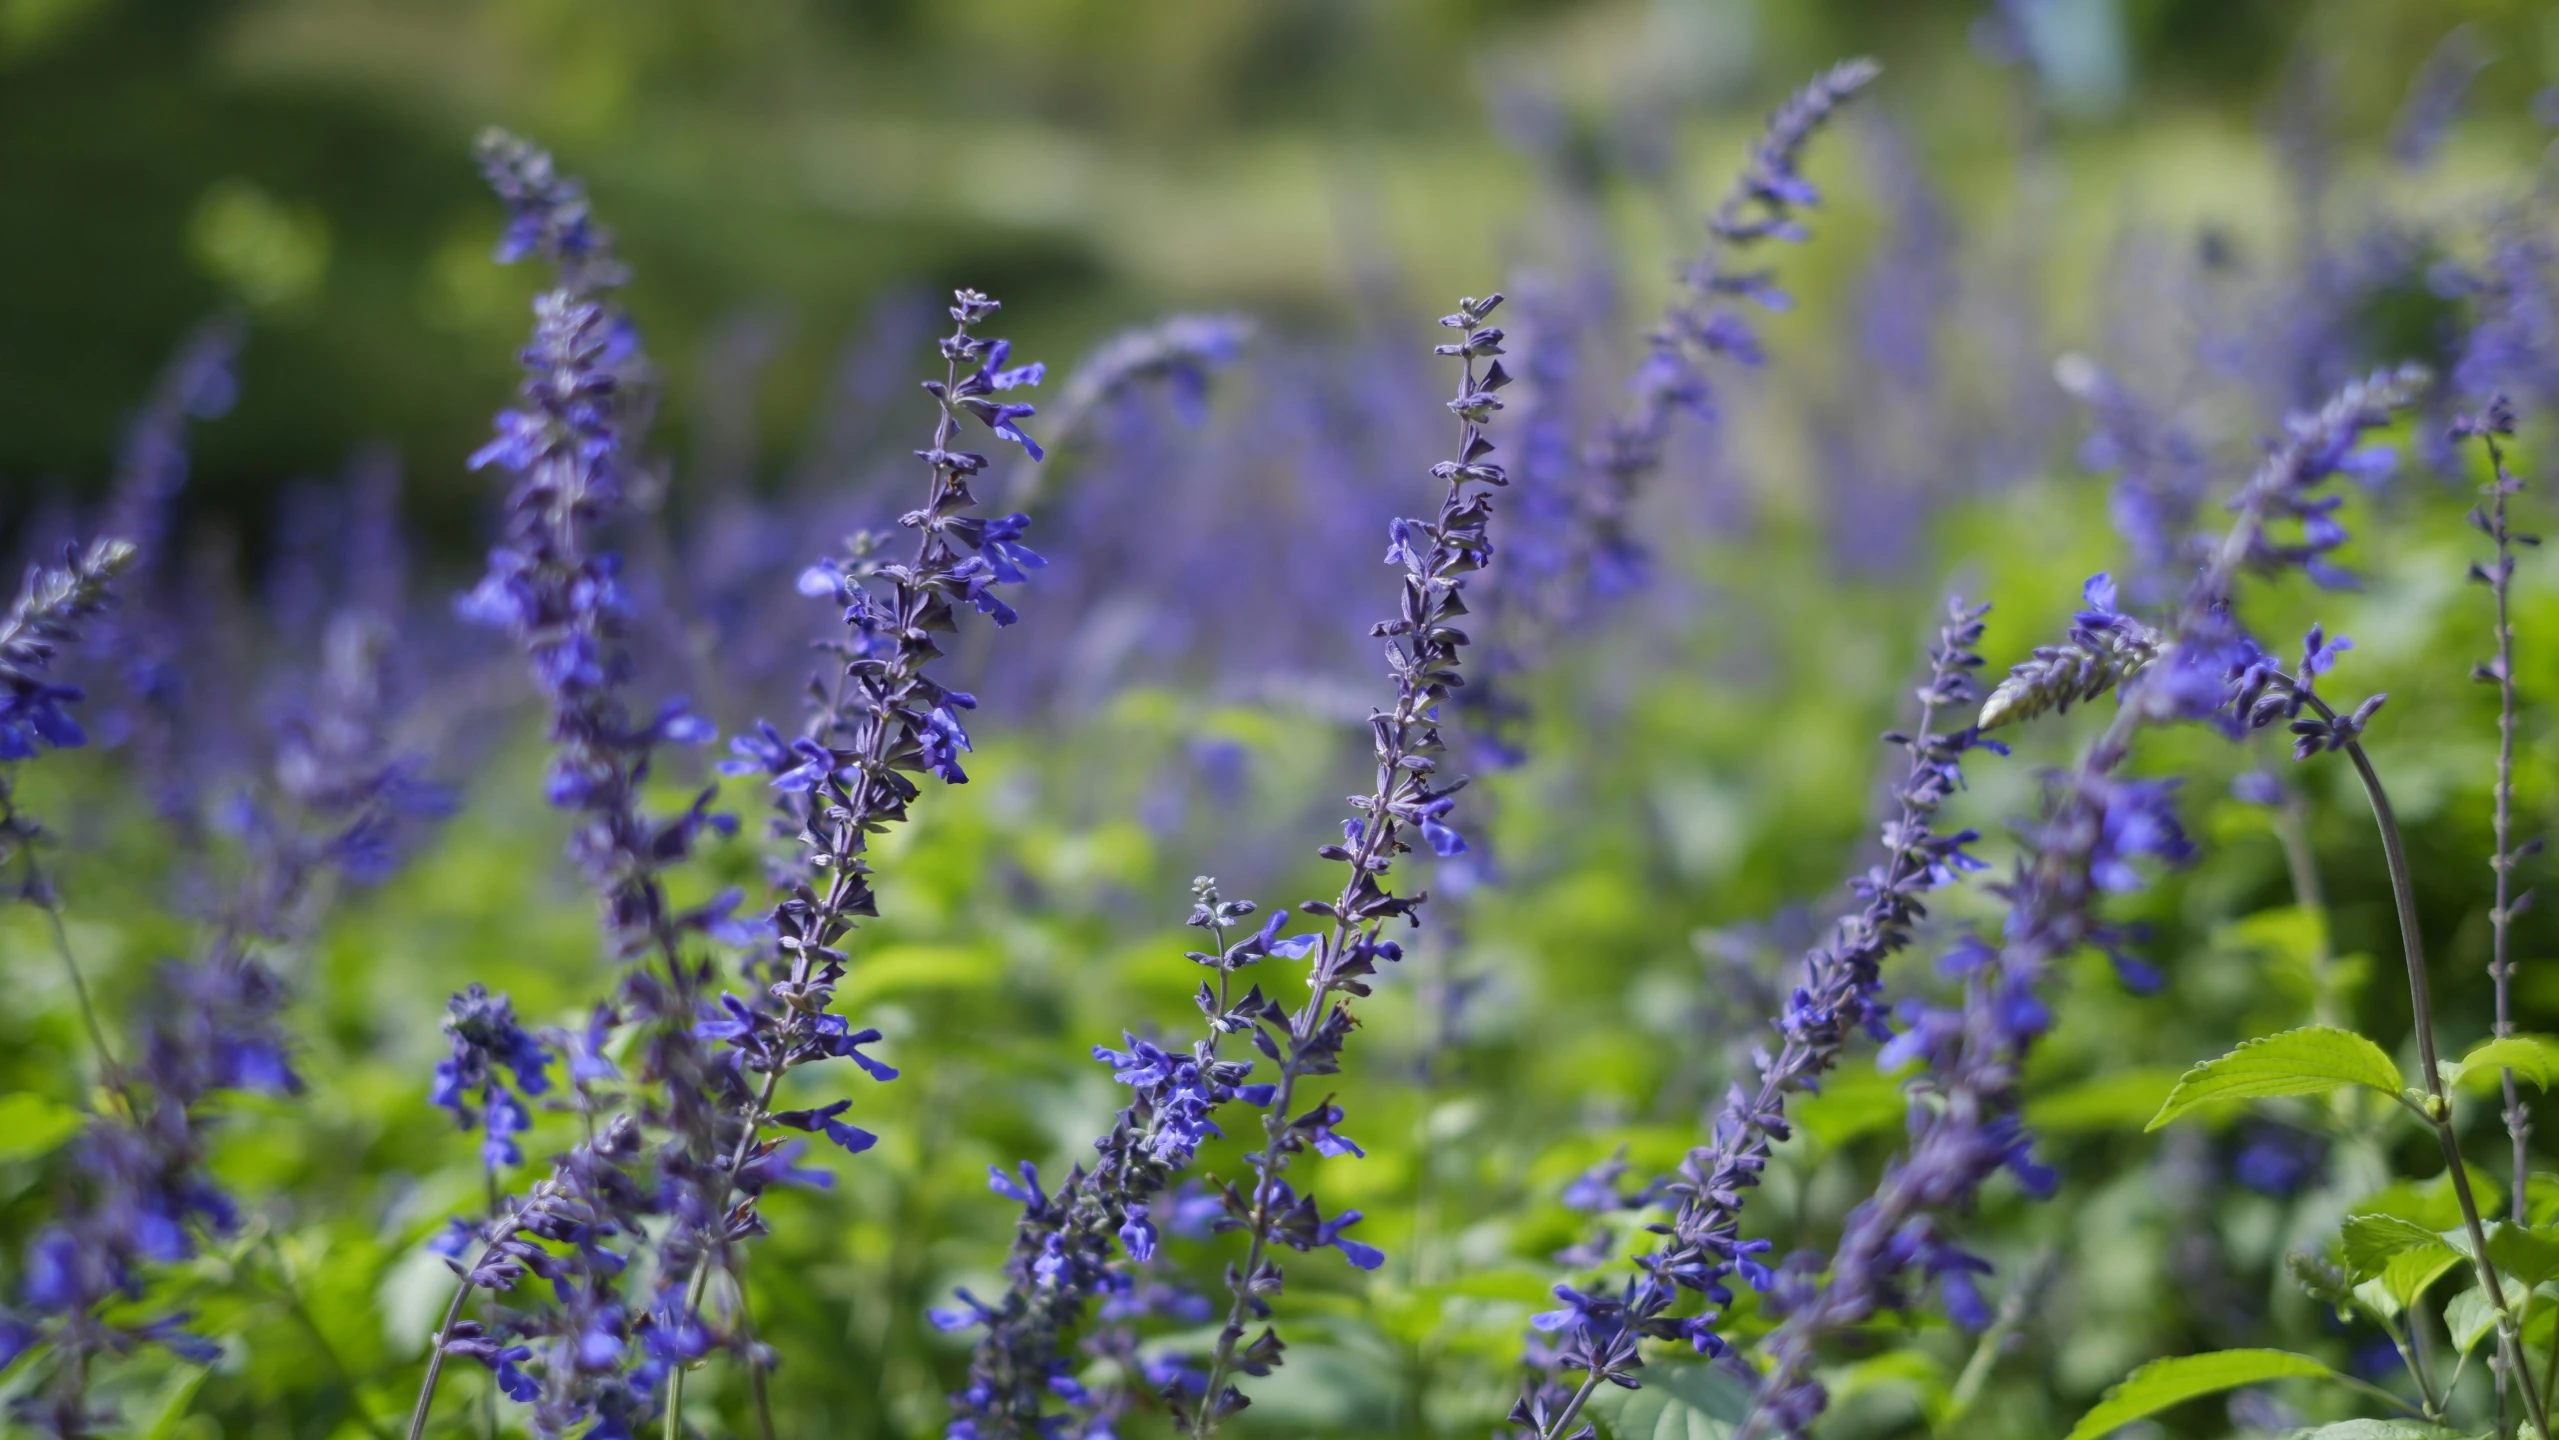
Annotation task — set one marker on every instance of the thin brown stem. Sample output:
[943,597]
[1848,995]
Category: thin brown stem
[2438,1108]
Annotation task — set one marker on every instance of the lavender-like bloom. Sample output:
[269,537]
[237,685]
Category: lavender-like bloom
[1410,797]
[1062,1251]
[2106,647]
[2161,477]
[1062,1257]
[2512,344]
[1701,324]
[198,383]
[2490,427]
[211,1026]
[2095,826]
[1702,1245]
[548,583]
[48,615]
[1893,1244]
[1180,352]
[557,592]
[2435,97]
[878,720]
[471,1082]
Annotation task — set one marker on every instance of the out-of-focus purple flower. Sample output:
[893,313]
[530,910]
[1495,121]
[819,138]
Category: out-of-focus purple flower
[1703,325]
[2276,1159]
[48,614]
[471,1082]
[2436,96]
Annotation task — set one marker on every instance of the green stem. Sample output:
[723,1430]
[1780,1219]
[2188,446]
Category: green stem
[2438,1106]
[40,893]
[435,1359]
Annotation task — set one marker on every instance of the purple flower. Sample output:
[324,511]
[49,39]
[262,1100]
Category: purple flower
[471,1082]
[1700,327]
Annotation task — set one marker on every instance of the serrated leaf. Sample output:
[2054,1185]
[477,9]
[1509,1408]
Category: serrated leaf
[2373,1241]
[2310,1061]
[32,1127]
[2531,1057]
[2398,1258]
[2162,1383]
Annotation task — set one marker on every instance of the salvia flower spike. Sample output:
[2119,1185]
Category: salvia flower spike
[1596,1332]
[1094,1239]
[875,722]
[1411,800]
[1703,324]
[2096,826]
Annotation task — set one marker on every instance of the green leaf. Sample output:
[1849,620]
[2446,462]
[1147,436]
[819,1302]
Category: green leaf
[2470,1317]
[1916,1373]
[2309,1061]
[31,1126]
[2531,1057]
[2162,1383]
[2373,1241]
[1678,1402]
[2528,1256]
[2118,1101]
[2400,1257]
[2434,1203]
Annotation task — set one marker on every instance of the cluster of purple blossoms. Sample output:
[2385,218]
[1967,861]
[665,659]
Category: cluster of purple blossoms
[1063,1258]
[613,1342]
[2097,827]
[878,719]
[1062,1255]
[472,1081]
[211,1026]
[1839,997]
[1701,326]
[553,586]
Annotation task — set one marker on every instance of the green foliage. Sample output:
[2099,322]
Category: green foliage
[2532,1058]
[2310,1061]
[1678,1402]
[2163,1383]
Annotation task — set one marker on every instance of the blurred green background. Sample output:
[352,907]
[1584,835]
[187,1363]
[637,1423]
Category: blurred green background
[1091,161]
[1702,770]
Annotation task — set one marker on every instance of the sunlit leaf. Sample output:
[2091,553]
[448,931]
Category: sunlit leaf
[2399,1257]
[2531,1057]
[2162,1383]
[2309,1061]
